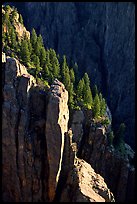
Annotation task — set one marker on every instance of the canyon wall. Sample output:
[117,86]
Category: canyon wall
[100,37]
[37,148]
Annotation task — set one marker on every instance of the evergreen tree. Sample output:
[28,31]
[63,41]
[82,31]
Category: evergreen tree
[14,15]
[103,105]
[79,92]
[42,57]
[48,68]
[95,90]
[38,68]
[72,75]
[64,67]
[77,77]
[87,95]
[46,73]
[7,8]
[37,48]
[71,96]
[67,80]
[55,63]
[24,52]
[33,38]
[29,46]
[40,41]
[20,19]
[13,38]
[86,79]
[96,107]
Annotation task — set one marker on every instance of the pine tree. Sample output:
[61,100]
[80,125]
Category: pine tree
[7,8]
[72,75]
[38,68]
[14,15]
[20,19]
[67,80]
[103,105]
[40,41]
[76,71]
[48,68]
[46,73]
[64,66]
[95,90]
[79,92]
[87,95]
[37,48]
[96,107]
[42,57]
[55,63]
[13,38]
[86,79]
[33,38]
[24,52]
[29,46]
[71,96]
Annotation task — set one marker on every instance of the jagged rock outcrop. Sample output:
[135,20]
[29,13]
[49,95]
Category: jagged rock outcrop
[84,185]
[116,168]
[100,37]
[37,150]
[79,181]
[56,127]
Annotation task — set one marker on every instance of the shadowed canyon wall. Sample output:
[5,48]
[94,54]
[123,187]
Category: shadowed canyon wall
[100,37]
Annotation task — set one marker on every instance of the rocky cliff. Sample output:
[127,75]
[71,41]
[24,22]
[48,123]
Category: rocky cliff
[39,160]
[116,167]
[100,37]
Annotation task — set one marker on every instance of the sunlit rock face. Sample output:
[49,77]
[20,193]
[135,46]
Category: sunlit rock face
[56,127]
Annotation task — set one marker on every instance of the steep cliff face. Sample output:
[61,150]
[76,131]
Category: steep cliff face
[23,141]
[100,37]
[117,169]
[37,149]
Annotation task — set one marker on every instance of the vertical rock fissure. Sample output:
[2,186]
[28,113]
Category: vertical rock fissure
[63,173]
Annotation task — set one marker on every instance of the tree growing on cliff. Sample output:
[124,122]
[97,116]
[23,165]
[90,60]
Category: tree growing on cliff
[95,90]
[13,38]
[33,38]
[96,107]
[54,63]
[79,92]
[88,100]
[20,19]
[24,52]
[71,96]
[102,105]
[42,57]
[72,75]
